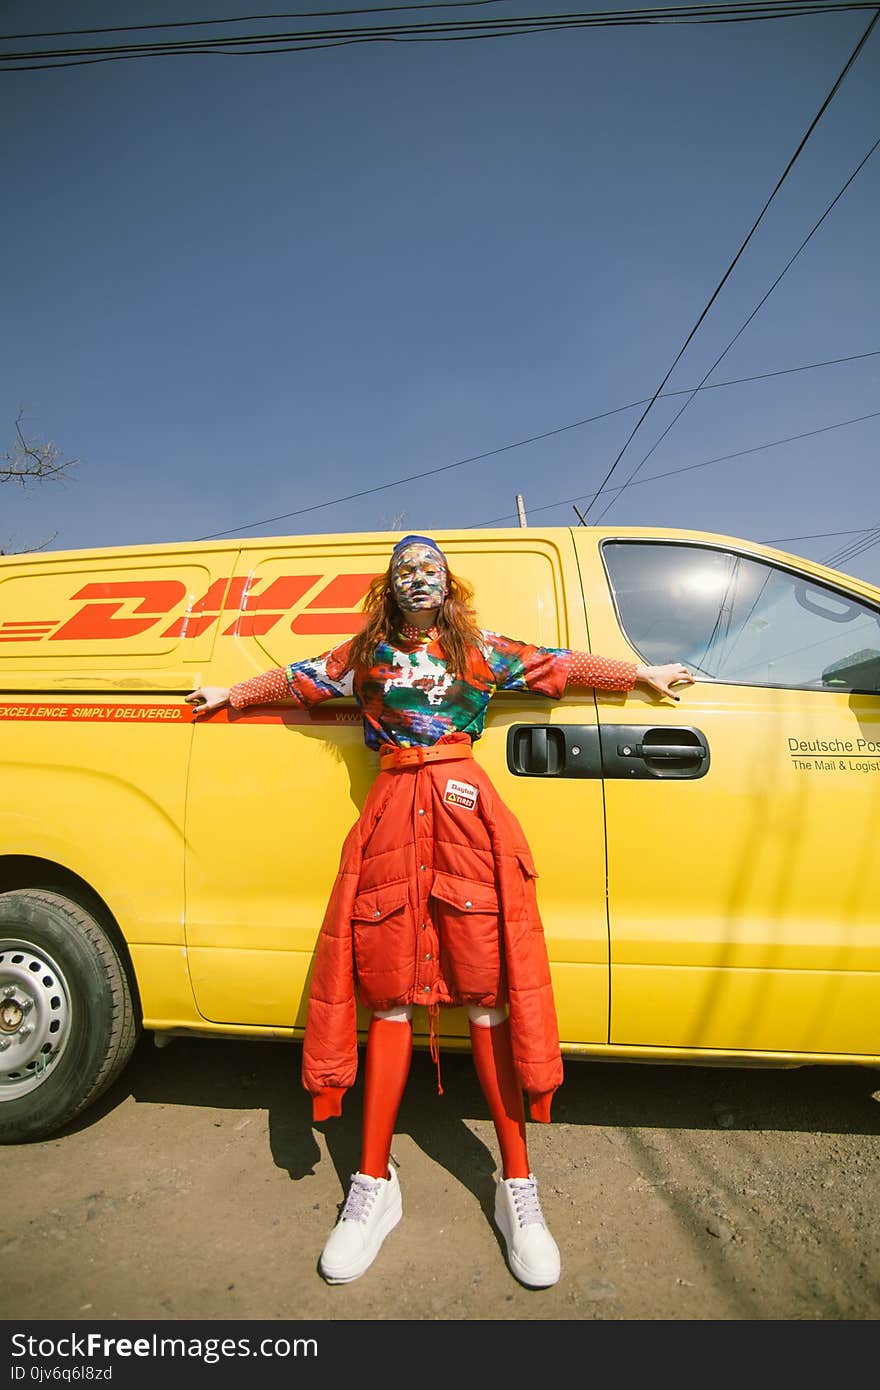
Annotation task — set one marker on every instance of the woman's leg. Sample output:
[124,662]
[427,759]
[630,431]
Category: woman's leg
[493,1060]
[389,1053]
[532,1253]
[373,1206]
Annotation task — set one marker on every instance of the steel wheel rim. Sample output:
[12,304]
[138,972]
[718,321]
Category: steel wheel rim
[35,1016]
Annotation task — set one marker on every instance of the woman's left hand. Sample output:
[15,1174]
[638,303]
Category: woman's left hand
[660,678]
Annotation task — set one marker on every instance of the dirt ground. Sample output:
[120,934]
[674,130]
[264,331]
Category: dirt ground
[197,1188]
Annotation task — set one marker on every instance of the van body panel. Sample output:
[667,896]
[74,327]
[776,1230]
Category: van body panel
[745,904]
[272,795]
[103,798]
[724,918]
[103,621]
[166,996]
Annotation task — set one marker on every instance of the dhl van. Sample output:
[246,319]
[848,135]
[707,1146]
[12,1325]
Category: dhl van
[710,874]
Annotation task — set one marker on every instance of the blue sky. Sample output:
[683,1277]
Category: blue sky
[241,287]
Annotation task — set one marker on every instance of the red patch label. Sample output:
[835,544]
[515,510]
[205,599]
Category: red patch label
[461,794]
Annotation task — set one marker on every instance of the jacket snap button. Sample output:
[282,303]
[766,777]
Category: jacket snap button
[376,913]
[467,904]
[427,957]
[427,989]
[421,812]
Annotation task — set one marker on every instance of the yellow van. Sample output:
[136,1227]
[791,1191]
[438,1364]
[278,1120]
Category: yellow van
[710,877]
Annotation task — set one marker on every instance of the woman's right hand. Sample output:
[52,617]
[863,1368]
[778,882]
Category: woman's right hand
[207,699]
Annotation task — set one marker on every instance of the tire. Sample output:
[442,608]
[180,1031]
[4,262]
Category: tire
[67,1018]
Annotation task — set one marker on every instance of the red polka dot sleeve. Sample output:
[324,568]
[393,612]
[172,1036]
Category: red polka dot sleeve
[261,690]
[599,673]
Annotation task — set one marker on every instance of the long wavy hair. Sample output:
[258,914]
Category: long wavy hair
[456,622]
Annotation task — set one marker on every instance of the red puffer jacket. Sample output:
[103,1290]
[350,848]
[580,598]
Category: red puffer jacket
[434,903]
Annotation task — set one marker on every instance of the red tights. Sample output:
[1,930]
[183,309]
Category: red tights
[389,1052]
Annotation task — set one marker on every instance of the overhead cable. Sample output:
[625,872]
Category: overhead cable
[688,468]
[743,326]
[299,40]
[848,552]
[729,271]
[519,444]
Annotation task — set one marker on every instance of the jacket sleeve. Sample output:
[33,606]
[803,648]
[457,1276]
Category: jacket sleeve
[309,682]
[552,671]
[265,689]
[534,1031]
[330,1058]
[586,671]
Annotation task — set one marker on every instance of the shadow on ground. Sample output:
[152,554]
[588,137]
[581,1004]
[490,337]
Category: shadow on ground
[243,1075]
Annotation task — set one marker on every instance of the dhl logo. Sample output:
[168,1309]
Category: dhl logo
[332,611]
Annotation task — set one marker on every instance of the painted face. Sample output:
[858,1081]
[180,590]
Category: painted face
[418,577]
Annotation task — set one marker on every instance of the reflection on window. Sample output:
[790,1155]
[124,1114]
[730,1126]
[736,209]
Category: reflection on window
[736,619]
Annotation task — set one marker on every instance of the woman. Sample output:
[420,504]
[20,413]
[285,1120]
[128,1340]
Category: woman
[434,902]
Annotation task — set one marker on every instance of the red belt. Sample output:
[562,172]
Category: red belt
[415,757]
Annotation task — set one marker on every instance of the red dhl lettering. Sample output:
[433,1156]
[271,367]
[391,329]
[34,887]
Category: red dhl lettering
[331,612]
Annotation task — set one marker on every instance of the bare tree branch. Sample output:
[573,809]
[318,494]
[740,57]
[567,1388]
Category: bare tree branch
[29,460]
[11,549]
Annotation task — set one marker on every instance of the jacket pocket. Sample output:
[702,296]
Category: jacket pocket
[527,863]
[378,903]
[467,918]
[464,894]
[382,928]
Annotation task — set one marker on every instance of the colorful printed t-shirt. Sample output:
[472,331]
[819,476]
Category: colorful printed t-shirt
[410,697]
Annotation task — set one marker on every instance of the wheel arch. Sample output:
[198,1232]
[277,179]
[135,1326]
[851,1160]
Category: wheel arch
[18,871]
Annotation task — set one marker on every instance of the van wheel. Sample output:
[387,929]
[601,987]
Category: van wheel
[67,1020]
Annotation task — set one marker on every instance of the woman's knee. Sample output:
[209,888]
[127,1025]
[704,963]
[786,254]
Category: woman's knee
[486,1018]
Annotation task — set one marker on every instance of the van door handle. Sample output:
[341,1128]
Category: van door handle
[641,751]
[631,751]
[554,750]
[663,750]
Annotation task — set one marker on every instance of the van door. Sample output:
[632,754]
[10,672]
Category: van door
[273,791]
[742,822]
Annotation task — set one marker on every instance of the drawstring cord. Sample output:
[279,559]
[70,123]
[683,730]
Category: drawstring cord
[434,1042]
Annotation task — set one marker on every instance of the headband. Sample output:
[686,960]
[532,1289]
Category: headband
[417,540]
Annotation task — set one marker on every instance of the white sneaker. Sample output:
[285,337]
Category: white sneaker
[532,1253]
[372,1208]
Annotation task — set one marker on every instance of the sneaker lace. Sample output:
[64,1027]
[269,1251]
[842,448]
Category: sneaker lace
[359,1199]
[525,1201]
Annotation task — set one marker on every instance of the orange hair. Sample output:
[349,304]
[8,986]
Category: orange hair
[456,622]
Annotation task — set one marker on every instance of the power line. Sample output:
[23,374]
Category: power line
[688,468]
[791,163]
[848,552]
[741,329]
[430,32]
[814,536]
[252,18]
[521,443]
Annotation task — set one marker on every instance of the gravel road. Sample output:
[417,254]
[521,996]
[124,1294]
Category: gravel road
[197,1188]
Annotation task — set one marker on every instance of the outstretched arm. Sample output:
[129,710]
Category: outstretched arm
[307,683]
[265,689]
[586,671]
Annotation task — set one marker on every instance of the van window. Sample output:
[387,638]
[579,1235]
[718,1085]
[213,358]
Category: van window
[739,620]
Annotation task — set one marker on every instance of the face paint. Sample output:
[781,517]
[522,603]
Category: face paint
[418,577]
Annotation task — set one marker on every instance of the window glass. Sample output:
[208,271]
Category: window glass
[740,620]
